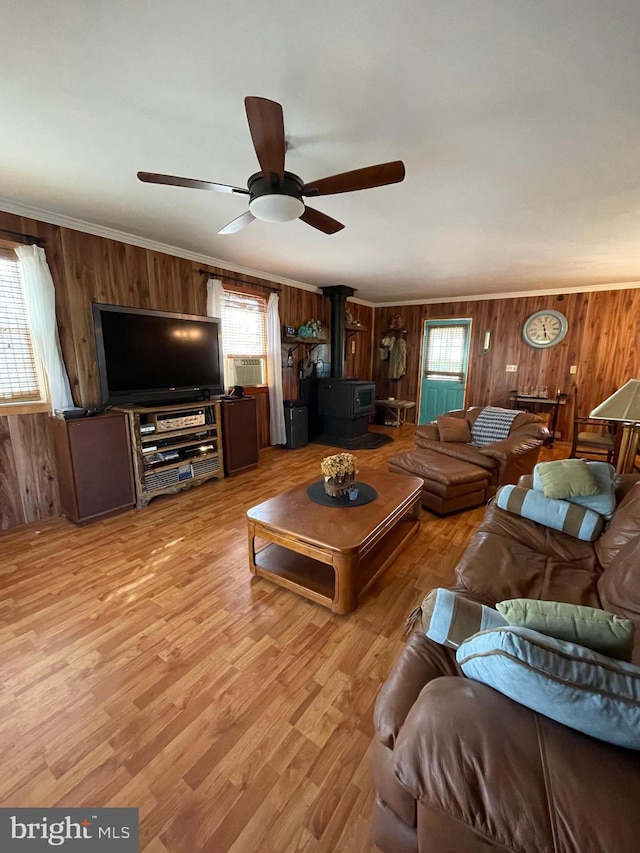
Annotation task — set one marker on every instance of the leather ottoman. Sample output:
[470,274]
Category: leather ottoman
[449,484]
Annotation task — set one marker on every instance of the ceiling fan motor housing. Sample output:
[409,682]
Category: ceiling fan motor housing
[276,202]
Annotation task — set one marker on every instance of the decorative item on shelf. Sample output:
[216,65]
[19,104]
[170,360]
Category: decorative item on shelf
[339,473]
[290,331]
[396,322]
[350,321]
[311,329]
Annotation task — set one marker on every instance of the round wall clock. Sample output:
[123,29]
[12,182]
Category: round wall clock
[545,328]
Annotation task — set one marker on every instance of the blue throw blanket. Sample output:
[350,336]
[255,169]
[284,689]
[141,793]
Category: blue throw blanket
[492,424]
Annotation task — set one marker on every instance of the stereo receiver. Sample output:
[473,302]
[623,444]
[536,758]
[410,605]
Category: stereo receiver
[165,423]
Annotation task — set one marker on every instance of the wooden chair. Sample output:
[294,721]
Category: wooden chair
[591,436]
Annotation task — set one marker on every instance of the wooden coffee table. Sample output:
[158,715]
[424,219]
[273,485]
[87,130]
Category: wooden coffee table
[332,555]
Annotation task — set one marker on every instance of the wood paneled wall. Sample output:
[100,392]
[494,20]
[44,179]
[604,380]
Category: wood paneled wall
[88,269]
[359,344]
[603,342]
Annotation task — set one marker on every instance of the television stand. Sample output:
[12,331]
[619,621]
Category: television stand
[175,446]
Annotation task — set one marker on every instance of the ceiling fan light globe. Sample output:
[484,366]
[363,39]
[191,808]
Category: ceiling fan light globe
[276,207]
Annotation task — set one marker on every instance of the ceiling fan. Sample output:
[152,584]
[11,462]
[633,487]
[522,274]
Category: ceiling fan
[276,195]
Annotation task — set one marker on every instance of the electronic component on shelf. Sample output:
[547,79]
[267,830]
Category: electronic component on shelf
[145,429]
[168,455]
[70,413]
[199,451]
[165,423]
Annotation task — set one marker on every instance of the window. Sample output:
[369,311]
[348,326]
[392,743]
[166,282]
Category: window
[446,346]
[244,338]
[21,380]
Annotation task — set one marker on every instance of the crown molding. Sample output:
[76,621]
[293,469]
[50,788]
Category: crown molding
[518,294]
[10,206]
[364,302]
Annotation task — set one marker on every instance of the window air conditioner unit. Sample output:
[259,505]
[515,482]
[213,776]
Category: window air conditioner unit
[248,371]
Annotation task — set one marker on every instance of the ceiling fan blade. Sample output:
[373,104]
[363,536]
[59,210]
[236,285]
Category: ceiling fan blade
[358,179]
[321,221]
[238,223]
[173,181]
[266,123]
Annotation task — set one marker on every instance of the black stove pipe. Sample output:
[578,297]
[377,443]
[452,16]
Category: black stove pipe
[338,297]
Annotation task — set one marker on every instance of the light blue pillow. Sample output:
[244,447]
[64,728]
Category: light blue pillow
[603,503]
[576,521]
[449,618]
[575,686]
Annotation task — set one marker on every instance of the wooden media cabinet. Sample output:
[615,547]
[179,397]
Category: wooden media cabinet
[174,446]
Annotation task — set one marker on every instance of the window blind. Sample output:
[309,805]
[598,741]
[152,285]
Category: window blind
[19,380]
[445,352]
[244,325]
[244,338]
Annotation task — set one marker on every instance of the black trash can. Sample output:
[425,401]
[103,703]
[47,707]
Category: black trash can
[296,422]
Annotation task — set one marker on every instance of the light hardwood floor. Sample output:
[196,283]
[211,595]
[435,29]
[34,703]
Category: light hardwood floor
[142,665]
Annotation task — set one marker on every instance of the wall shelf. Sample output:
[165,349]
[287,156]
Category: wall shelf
[353,328]
[300,340]
[292,343]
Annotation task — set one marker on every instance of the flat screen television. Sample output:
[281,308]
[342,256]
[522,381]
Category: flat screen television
[149,356]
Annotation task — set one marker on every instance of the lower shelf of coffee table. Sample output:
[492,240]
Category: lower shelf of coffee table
[317,580]
[298,569]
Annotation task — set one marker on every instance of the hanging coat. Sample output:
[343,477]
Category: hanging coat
[398,359]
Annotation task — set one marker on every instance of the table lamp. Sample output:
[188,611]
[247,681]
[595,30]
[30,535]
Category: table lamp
[624,406]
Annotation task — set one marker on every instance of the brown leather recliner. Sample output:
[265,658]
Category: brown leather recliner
[460,768]
[456,475]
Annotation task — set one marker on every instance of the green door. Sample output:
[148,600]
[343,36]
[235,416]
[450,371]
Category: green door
[444,367]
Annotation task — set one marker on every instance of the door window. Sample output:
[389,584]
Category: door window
[445,355]
[446,352]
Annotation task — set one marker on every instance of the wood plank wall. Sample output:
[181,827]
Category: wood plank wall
[88,269]
[603,341]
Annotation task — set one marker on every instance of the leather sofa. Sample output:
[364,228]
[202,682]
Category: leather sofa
[460,768]
[457,475]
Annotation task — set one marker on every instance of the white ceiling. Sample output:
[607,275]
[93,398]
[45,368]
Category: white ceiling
[518,122]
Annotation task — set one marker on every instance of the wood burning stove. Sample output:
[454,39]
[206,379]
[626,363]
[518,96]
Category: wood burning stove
[345,406]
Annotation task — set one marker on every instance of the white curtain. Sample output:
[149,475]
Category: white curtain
[41,306]
[274,367]
[214,297]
